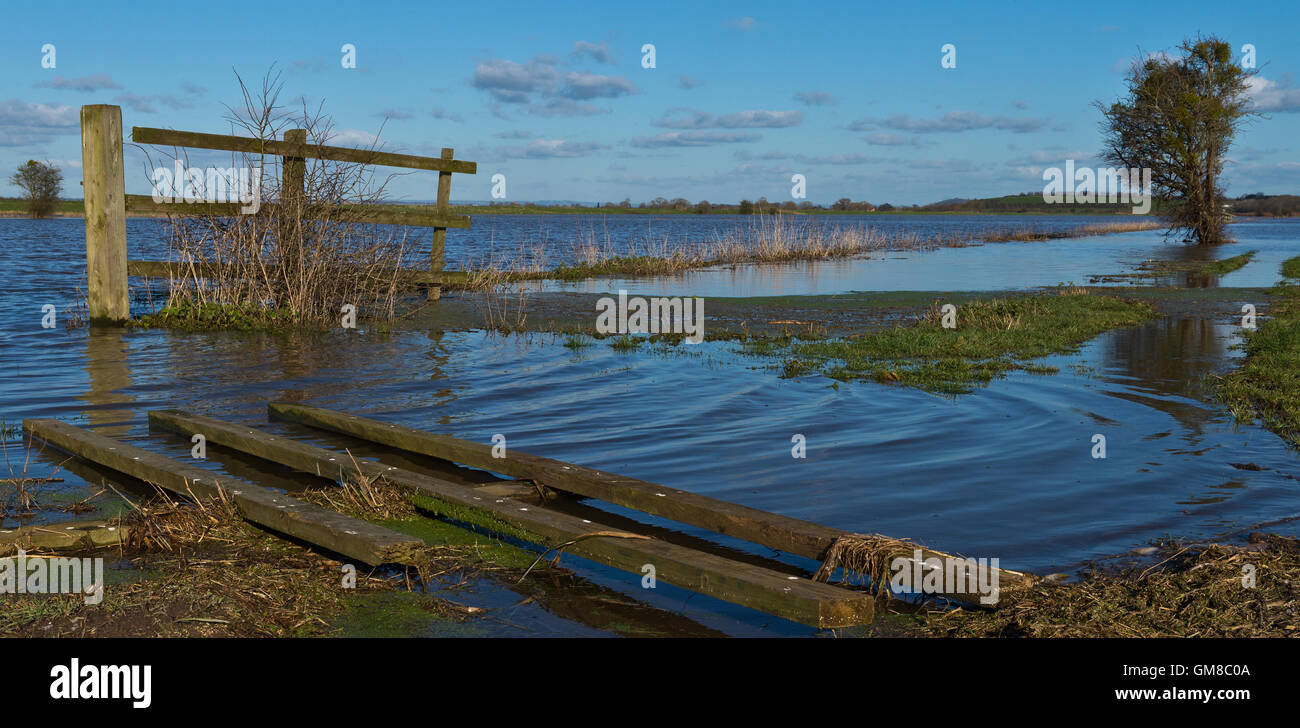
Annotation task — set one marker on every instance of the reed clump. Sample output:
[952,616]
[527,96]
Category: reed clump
[782,239]
[302,255]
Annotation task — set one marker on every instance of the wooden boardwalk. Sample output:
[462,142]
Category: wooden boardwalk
[791,535]
[511,508]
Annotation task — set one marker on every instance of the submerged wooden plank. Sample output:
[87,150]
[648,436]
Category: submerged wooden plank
[64,536]
[775,531]
[795,598]
[351,537]
[272,147]
[750,524]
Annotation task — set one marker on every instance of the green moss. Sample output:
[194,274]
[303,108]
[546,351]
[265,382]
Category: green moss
[991,338]
[399,614]
[470,517]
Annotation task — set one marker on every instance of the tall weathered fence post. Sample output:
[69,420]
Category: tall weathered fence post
[440,233]
[104,181]
[293,193]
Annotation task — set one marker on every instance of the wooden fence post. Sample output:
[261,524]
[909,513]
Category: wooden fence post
[440,233]
[293,193]
[104,181]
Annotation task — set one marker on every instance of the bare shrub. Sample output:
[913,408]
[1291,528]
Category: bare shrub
[275,264]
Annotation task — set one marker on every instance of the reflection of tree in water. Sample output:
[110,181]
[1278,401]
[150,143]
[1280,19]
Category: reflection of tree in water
[1171,356]
[1189,256]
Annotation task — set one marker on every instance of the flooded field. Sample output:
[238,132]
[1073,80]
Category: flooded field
[1004,471]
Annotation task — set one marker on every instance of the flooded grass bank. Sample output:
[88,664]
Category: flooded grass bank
[1267,385]
[952,350]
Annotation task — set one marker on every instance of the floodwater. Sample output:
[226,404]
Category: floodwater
[1004,472]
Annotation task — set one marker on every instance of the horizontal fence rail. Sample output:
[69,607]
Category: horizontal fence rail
[372,214]
[271,147]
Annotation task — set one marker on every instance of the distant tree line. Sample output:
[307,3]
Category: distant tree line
[1025,202]
[761,206]
[1266,205]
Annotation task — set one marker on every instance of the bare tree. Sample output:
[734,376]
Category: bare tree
[1178,119]
[41,183]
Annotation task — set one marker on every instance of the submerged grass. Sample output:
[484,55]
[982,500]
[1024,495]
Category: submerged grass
[1227,265]
[991,337]
[1267,385]
[1195,269]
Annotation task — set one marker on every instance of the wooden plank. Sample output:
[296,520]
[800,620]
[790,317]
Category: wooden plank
[351,537]
[107,296]
[795,598]
[360,214]
[775,531]
[64,536]
[169,269]
[271,147]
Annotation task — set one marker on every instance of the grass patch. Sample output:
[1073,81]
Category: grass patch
[1267,385]
[992,337]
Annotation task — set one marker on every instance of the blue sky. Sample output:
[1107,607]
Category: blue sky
[553,95]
